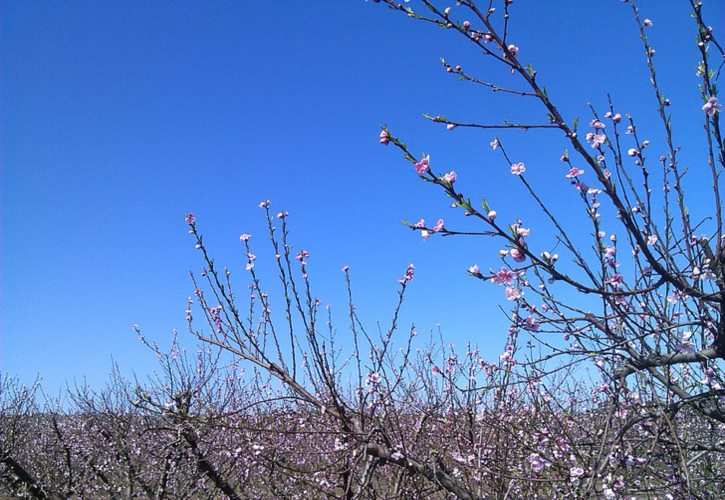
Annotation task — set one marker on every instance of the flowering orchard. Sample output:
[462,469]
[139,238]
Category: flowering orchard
[608,385]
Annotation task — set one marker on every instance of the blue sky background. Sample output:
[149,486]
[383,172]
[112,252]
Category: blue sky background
[120,117]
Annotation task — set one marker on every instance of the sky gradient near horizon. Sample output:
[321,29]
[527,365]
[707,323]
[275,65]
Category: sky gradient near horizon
[119,118]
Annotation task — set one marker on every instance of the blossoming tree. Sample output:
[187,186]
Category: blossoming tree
[609,383]
[654,286]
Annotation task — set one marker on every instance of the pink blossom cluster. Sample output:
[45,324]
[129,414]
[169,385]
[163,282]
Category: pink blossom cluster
[427,232]
[408,277]
[712,106]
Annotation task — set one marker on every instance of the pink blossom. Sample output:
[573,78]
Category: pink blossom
[474,270]
[531,324]
[420,224]
[504,276]
[282,215]
[547,257]
[264,204]
[245,237]
[537,462]
[517,255]
[617,118]
[452,360]
[597,124]
[513,49]
[425,234]
[190,219]
[632,152]
[652,239]
[345,269]
[494,144]
[676,297]
[710,379]
[647,22]
[450,177]
[518,168]
[440,225]
[466,25]
[384,137]
[576,472]
[408,274]
[573,172]
[685,345]
[423,165]
[596,139]
[616,280]
[711,106]
[451,126]
[513,293]
[523,231]
[492,215]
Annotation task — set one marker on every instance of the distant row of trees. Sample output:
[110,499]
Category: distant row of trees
[269,408]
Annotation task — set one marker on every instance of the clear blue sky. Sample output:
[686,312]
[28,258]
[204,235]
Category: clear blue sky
[120,117]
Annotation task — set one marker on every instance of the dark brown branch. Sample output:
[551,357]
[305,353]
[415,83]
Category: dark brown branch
[21,480]
[437,476]
[675,358]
